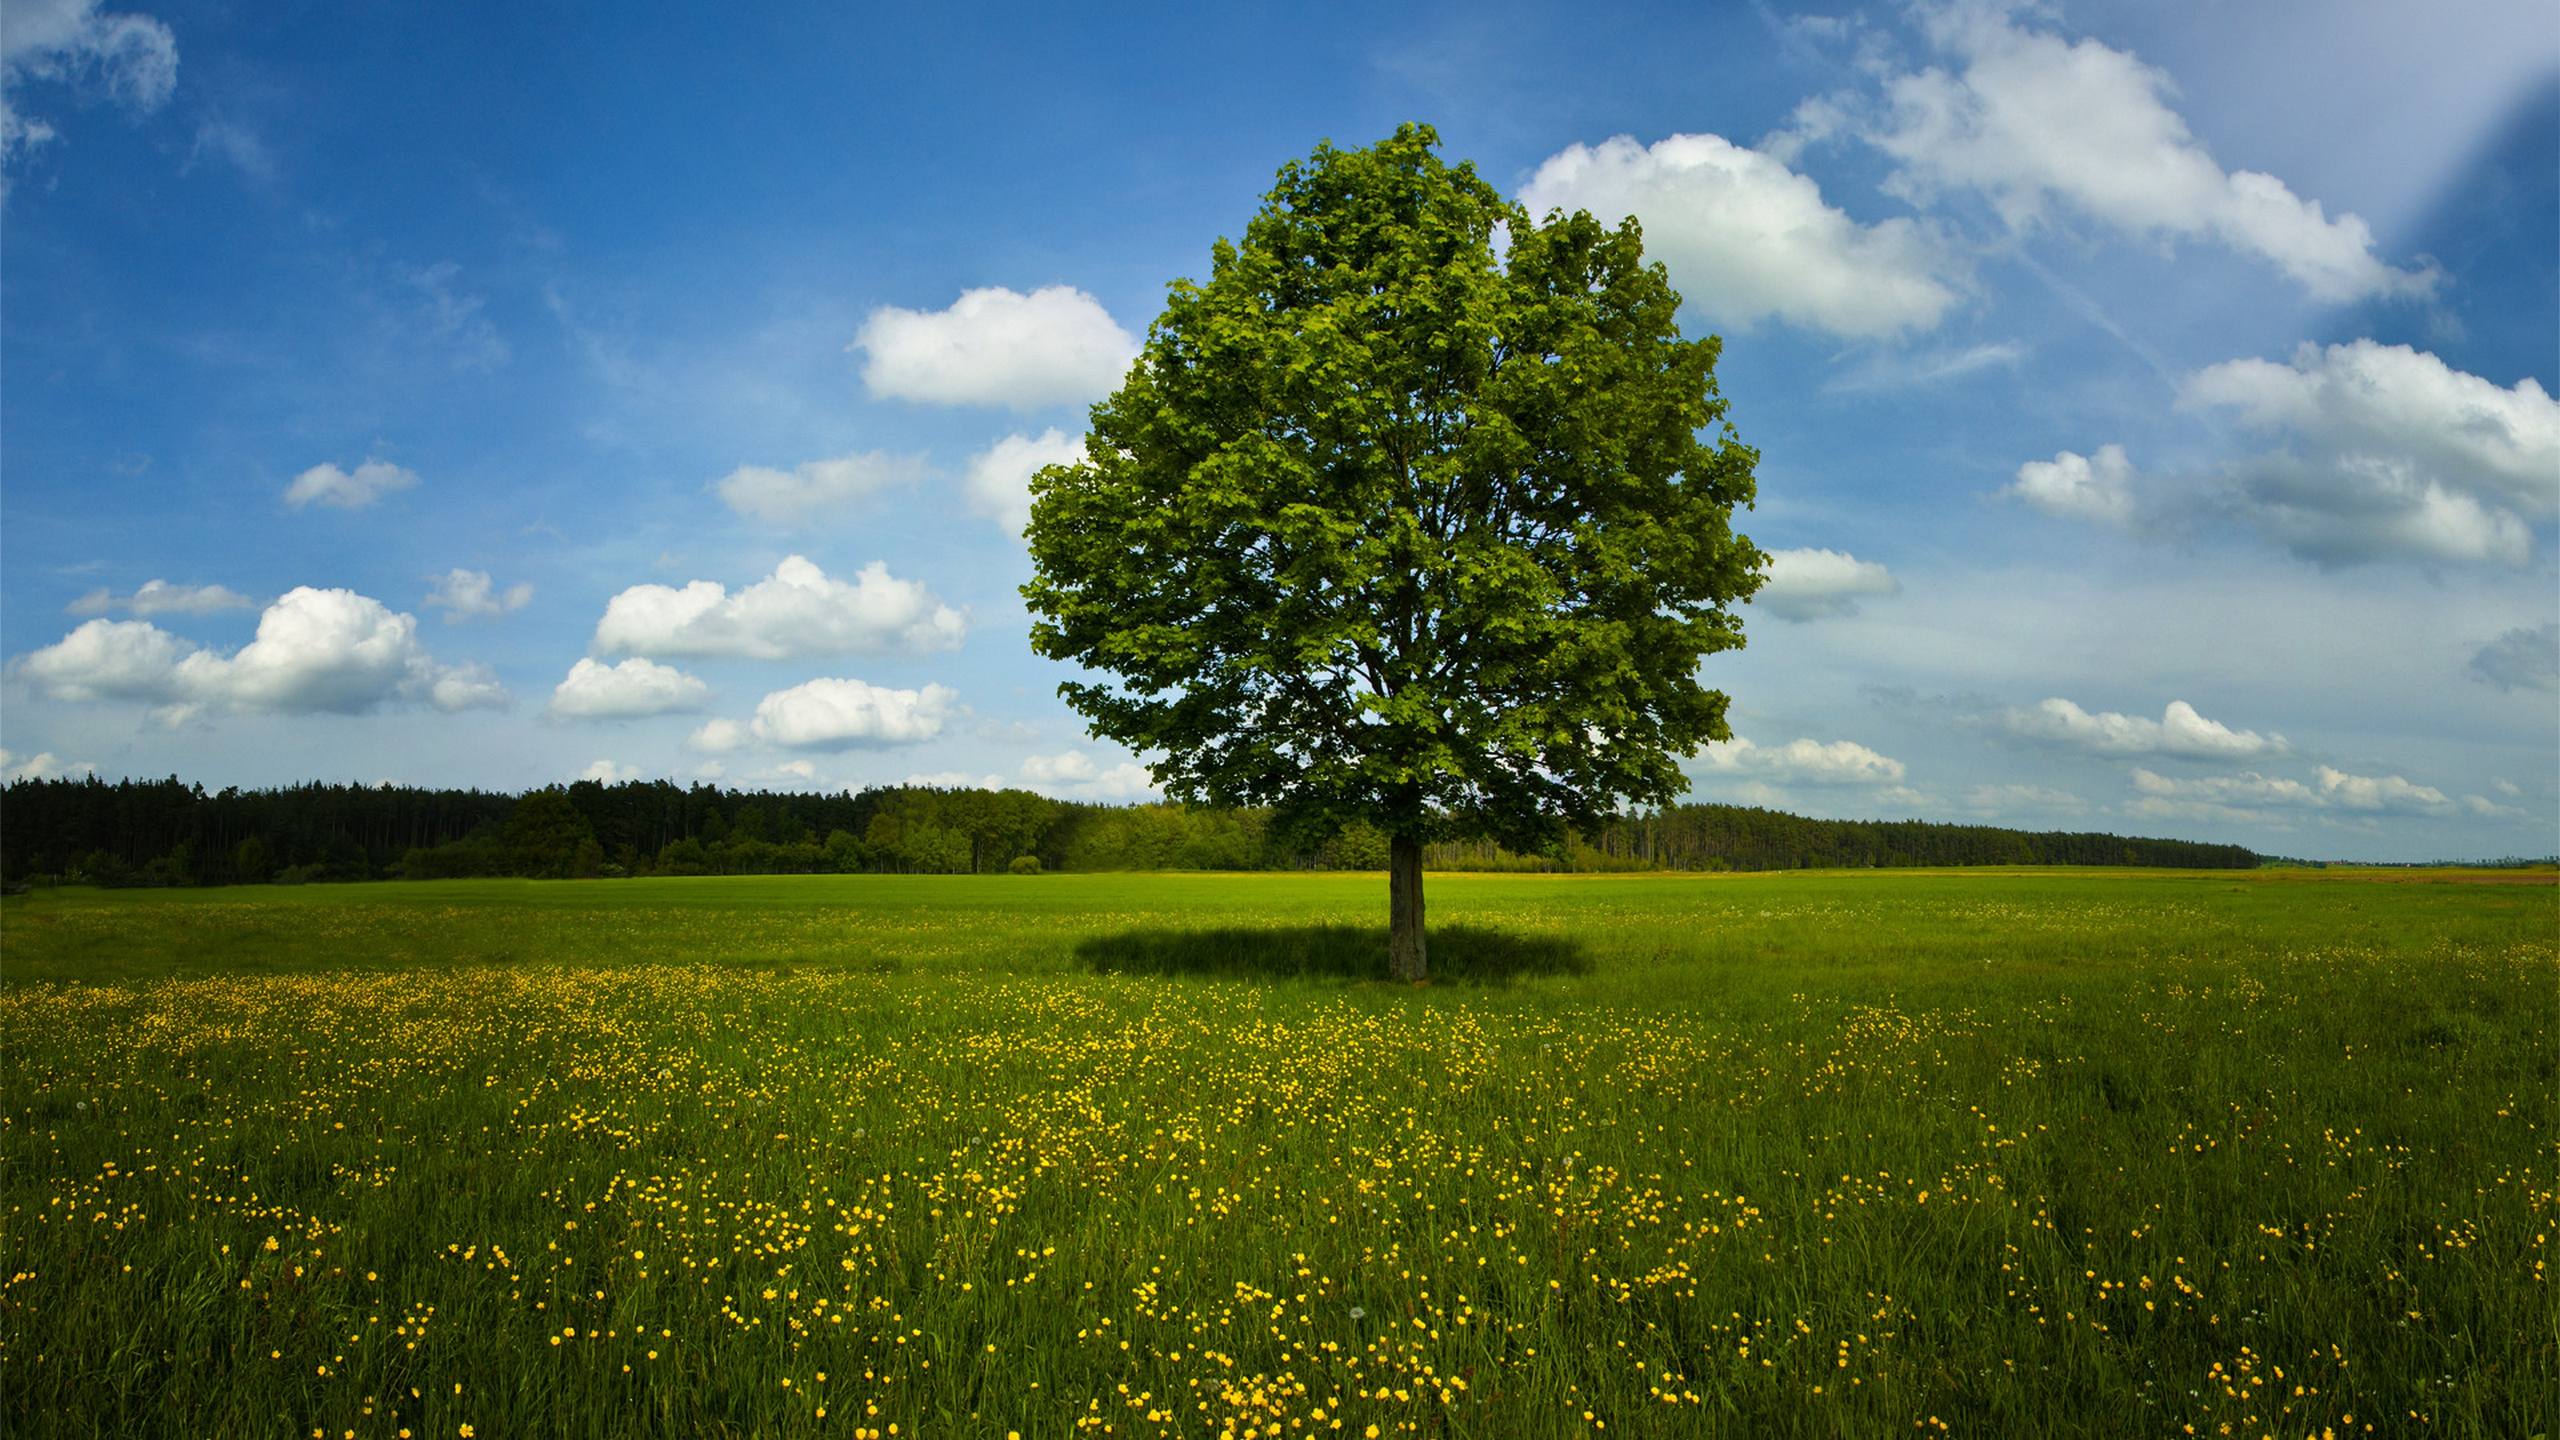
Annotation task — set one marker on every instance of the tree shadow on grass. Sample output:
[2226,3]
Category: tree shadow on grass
[1459,954]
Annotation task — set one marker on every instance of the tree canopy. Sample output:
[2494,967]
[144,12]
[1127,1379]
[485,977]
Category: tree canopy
[1405,516]
[168,832]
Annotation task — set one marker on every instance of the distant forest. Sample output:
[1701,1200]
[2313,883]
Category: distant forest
[167,832]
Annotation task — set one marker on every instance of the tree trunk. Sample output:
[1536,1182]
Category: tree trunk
[1406,959]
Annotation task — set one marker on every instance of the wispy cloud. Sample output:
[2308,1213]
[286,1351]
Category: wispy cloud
[159,597]
[1900,371]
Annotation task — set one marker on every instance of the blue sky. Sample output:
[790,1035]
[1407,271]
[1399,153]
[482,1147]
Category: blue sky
[2153,399]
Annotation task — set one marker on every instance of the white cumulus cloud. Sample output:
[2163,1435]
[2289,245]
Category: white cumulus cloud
[159,597]
[106,660]
[1805,761]
[2380,792]
[2037,124]
[331,650]
[607,772]
[595,691]
[1075,775]
[840,714]
[347,489]
[2245,796]
[2388,452]
[466,687]
[472,595]
[316,651]
[717,737]
[994,346]
[1065,765]
[2179,731]
[44,765]
[2250,795]
[2080,487]
[998,483]
[795,612]
[1821,584]
[1748,239]
[813,488]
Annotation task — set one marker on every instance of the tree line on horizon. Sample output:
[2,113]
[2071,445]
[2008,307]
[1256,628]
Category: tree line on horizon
[169,832]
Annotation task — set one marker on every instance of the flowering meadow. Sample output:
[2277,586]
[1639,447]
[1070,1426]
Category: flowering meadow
[2054,1153]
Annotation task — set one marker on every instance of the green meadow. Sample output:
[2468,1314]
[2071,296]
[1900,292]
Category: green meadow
[1883,1153]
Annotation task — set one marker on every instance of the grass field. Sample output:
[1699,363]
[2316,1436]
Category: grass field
[2002,1154]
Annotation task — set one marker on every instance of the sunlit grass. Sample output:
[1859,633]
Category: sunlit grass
[1803,1155]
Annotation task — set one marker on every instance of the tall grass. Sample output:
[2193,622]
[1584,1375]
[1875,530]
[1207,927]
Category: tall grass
[2055,1154]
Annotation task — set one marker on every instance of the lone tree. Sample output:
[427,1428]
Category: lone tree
[1387,524]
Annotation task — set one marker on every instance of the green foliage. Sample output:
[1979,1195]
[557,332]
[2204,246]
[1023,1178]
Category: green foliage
[162,832]
[104,868]
[1165,837]
[915,844]
[544,833]
[1385,526]
[471,857]
[844,853]
[1737,837]
[1023,865]
[685,857]
[1356,846]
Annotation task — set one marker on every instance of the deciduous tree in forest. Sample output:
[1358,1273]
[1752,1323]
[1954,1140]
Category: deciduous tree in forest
[1405,516]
